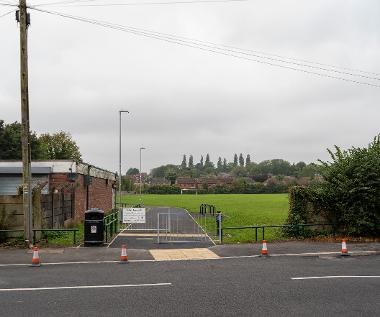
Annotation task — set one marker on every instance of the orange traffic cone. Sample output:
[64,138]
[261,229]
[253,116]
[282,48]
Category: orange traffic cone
[344,248]
[36,258]
[123,256]
[264,249]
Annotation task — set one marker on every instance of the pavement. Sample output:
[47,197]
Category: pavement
[98,254]
[248,286]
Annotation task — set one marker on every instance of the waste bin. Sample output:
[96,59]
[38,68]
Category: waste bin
[93,227]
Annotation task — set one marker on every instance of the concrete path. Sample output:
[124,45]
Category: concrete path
[184,231]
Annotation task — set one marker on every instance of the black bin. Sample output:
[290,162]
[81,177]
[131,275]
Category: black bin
[93,227]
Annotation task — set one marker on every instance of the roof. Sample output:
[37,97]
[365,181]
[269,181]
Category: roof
[57,166]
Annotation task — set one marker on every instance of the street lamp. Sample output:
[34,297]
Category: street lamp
[142,148]
[120,112]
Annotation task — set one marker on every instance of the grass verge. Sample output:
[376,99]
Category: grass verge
[238,210]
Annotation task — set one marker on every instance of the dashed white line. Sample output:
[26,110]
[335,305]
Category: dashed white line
[80,287]
[334,276]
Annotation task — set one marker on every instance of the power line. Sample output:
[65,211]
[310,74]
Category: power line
[258,54]
[74,3]
[61,2]
[8,4]
[5,14]
[216,50]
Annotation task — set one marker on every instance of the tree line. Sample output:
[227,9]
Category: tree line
[241,166]
[55,146]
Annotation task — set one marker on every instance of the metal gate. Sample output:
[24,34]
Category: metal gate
[178,226]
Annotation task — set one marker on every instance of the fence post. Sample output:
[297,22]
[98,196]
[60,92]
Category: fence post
[256,234]
[74,238]
[263,232]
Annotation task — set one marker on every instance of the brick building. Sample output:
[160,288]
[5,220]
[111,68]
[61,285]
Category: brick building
[88,185]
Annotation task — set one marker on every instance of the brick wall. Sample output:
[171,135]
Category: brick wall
[99,192]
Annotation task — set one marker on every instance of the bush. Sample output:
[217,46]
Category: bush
[163,189]
[349,196]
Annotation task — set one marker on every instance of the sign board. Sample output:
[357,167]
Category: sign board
[133,215]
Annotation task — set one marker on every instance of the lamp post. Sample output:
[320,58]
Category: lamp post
[120,112]
[142,148]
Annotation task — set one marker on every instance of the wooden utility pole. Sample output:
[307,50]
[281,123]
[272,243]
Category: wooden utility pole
[23,18]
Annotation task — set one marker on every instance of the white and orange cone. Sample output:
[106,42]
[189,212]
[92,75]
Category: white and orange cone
[344,248]
[124,255]
[36,257]
[264,249]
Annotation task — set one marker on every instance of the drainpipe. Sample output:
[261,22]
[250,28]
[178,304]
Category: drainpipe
[88,188]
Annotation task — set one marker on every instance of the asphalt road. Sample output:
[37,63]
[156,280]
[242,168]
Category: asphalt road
[227,287]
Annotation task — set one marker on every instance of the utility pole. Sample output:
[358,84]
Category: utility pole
[23,18]
[120,112]
[142,148]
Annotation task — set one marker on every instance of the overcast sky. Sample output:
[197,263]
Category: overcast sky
[189,101]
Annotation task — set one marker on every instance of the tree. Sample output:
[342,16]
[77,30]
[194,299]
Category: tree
[133,171]
[191,161]
[219,165]
[248,160]
[184,162]
[127,183]
[207,158]
[10,142]
[241,160]
[224,165]
[60,146]
[171,175]
[235,159]
[201,162]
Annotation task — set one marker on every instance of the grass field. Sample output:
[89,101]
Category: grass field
[238,210]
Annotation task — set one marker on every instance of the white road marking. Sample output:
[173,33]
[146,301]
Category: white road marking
[335,276]
[200,226]
[81,287]
[118,235]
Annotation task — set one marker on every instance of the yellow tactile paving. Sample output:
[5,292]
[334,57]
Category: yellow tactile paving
[183,254]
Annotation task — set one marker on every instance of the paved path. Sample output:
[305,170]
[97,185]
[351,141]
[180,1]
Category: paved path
[184,231]
[228,287]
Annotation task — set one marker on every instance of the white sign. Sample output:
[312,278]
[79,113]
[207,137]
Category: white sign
[93,229]
[133,215]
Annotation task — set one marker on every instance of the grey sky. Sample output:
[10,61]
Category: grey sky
[187,101]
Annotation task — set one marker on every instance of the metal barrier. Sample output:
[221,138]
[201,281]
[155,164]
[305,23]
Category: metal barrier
[203,208]
[74,231]
[111,224]
[299,225]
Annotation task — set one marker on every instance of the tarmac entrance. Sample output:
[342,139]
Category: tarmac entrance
[164,228]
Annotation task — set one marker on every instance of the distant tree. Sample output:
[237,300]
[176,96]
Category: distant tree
[224,165]
[235,159]
[201,162]
[248,160]
[219,165]
[209,166]
[127,183]
[10,143]
[133,171]
[161,171]
[241,160]
[184,162]
[60,146]
[207,158]
[191,161]
[171,175]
